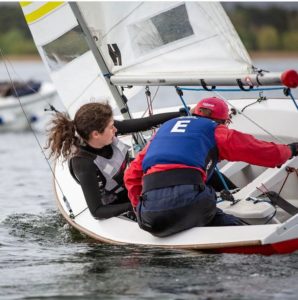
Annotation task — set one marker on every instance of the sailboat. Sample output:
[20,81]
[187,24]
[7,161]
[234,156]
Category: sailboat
[116,51]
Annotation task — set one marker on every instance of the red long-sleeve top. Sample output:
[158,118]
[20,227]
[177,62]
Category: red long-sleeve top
[232,145]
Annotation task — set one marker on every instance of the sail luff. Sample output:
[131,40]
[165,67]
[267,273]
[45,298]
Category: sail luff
[231,35]
[104,69]
[102,65]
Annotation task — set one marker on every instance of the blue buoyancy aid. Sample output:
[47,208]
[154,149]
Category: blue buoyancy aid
[185,140]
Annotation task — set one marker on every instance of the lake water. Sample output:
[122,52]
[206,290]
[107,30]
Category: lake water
[42,258]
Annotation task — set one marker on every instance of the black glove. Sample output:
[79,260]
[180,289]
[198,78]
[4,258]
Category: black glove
[294,149]
[183,111]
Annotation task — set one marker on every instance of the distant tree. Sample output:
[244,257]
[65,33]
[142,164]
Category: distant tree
[290,40]
[270,28]
[268,38]
[14,42]
[265,29]
[240,20]
[248,39]
[11,17]
[292,20]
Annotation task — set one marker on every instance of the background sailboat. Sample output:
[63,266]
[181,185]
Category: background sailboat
[95,50]
[32,96]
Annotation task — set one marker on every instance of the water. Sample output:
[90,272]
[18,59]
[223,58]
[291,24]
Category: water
[42,258]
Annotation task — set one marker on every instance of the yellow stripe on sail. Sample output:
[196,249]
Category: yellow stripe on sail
[42,11]
[25,3]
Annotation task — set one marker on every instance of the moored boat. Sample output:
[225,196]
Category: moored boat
[22,104]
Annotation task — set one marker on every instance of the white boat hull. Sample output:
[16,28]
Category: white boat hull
[281,236]
[12,116]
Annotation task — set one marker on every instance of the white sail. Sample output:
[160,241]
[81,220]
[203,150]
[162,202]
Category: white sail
[175,38]
[64,50]
[90,48]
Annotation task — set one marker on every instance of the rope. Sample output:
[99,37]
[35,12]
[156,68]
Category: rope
[18,75]
[289,170]
[232,89]
[282,141]
[259,100]
[180,94]
[221,178]
[216,90]
[83,91]
[288,92]
[241,113]
[35,136]
[153,98]
[149,100]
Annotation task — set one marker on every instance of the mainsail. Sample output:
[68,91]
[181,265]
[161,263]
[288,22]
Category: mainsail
[66,53]
[92,49]
[153,38]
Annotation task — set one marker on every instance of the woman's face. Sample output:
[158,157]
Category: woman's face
[106,137]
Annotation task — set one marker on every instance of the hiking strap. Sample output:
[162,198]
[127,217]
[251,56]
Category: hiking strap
[276,199]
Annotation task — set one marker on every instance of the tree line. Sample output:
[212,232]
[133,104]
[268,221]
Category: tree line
[15,36]
[271,29]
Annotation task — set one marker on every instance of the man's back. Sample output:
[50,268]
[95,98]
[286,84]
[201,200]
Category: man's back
[187,141]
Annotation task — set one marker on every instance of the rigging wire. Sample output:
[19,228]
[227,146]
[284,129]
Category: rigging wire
[260,99]
[216,91]
[35,136]
[180,94]
[252,121]
[83,91]
[149,100]
[287,92]
[5,59]
[152,100]
[288,170]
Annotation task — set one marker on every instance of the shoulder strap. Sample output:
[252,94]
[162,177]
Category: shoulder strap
[86,154]
[70,167]
[80,153]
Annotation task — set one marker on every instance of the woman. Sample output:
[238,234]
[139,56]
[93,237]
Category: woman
[97,158]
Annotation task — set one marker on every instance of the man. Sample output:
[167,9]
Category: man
[166,181]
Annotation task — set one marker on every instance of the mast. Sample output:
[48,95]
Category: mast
[120,100]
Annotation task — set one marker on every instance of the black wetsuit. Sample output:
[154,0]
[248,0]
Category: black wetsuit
[90,177]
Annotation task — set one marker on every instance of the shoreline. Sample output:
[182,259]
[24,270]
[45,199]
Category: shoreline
[31,57]
[252,54]
[273,54]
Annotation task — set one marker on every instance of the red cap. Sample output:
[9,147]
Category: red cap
[219,108]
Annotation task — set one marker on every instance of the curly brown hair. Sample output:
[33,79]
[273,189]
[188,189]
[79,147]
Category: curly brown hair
[62,138]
